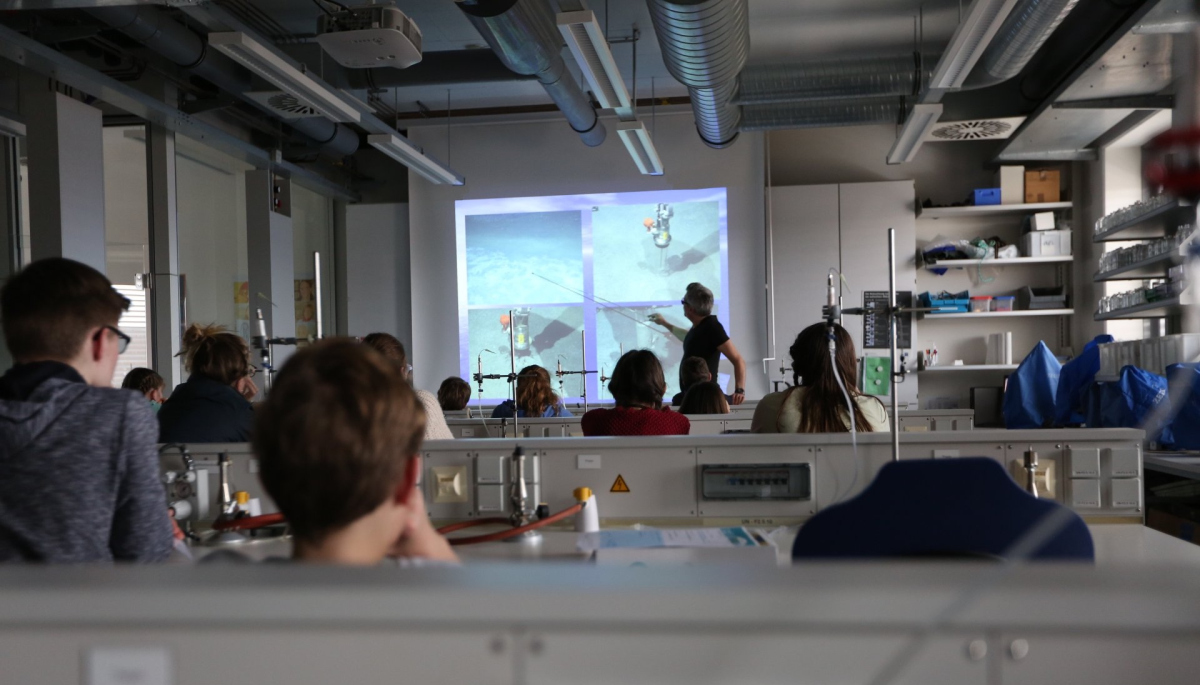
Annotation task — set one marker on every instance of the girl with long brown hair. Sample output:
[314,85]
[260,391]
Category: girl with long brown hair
[816,404]
[535,397]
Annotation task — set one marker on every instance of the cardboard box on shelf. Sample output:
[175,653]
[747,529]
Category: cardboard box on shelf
[1042,185]
[1011,181]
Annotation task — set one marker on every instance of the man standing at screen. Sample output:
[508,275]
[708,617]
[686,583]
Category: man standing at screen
[707,338]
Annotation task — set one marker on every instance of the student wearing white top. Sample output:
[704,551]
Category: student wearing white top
[816,404]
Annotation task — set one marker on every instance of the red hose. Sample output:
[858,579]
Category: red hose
[471,524]
[249,522]
[513,532]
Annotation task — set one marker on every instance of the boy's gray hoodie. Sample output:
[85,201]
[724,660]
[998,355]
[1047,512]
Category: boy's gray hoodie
[79,478]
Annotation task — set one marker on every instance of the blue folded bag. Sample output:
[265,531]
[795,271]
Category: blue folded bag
[1030,396]
[1130,402]
[1183,385]
[1077,375]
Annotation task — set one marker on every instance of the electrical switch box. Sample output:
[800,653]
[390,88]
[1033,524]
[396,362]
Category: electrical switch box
[1085,493]
[1127,493]
[489,468]
[1084,463]
[450,484]
[1124,462]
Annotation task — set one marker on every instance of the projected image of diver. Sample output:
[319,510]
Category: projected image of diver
[650,252]
[541,335]
[503,250]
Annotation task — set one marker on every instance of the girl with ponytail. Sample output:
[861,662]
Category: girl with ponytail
[214,404]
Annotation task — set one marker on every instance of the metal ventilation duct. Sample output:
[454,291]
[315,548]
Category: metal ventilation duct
[523,35]
[151,27]
[1020,36]
[822,113]
[704,45]
[833,80]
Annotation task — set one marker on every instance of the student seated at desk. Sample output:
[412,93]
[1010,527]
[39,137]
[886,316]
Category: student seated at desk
[535,398]
[637,386]
[819,406]
[338,443]
[454,394]
[391,348]
[692,370]
[704,398]
[214,404]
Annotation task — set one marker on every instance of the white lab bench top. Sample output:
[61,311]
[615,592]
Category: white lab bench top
[1117,544]
[1182,465]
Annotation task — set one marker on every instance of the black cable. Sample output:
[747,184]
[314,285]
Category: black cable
[335,2]
[323,8]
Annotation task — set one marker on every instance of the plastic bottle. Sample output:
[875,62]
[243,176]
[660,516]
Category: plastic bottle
[588,519]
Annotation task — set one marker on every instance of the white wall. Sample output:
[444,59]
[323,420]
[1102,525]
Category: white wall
[378,291]
[547,158]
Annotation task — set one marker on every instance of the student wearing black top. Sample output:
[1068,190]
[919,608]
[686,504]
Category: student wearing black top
[707,338]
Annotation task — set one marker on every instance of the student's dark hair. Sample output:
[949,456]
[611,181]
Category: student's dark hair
[454,394]
[704,398]
[822,403]
[389,346]
[334,435]
[693,370]
[638,380]
[49,308]
[215,353]
[535,394]
[143,380]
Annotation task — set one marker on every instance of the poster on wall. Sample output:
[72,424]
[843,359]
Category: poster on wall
[305,309]
[241,308]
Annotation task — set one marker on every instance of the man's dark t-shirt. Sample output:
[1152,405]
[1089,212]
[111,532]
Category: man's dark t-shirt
[703,340]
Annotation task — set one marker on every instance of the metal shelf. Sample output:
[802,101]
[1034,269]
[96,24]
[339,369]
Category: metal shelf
[984,210]
[1155,224]
[971,367]
[999,315]
[1150,310]
[1016,261]
[1154,267]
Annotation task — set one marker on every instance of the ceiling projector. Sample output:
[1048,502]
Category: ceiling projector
[370,36]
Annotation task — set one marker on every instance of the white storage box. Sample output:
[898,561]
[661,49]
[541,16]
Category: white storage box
[1011,182]
[1042,221]
[1046,244]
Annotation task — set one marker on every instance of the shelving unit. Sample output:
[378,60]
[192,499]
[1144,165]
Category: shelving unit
[999,315]
[1016,261]
[1154,224]
[983,210]
[1154,267]
[1151,310]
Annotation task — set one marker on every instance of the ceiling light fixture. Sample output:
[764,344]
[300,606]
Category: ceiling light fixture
[920,122]
[402,150]
[589,46]
[640,146]
[284,74]
[972,37]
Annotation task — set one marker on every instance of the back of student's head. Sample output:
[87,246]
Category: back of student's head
[535,393]
[215,353]
[454,394]
[693,370]
[143,380]
[704,398]
[637,380]
[334,436]
[389,346]
[823,404]
[50,307]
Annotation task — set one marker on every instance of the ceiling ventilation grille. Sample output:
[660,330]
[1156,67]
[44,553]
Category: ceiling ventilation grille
[975,129]
[285,104]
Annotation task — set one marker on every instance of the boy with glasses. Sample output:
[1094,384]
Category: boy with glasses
[79,477]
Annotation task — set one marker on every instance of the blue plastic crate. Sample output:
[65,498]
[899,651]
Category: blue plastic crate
[947,303]
[987,196]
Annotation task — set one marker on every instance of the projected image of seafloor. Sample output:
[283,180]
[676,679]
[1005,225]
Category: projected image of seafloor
[621,329]
[542,336]
[505,250]
[651,252]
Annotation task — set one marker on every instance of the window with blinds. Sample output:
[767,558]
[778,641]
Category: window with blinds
[136,324]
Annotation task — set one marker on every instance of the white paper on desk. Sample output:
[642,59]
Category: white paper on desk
[675,537]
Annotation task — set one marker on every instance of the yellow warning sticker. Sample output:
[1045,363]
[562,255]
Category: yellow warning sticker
[619,485]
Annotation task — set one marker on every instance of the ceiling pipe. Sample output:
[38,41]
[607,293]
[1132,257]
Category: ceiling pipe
[834,79]
[151,27]
[1021,35]
[704,44]
[523,35]
[822,113]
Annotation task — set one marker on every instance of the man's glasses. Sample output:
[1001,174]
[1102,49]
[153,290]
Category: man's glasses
[123,339]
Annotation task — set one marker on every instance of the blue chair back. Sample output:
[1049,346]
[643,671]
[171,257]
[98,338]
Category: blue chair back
[961,507]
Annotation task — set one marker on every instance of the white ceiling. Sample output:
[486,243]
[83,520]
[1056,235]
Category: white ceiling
[779,30]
